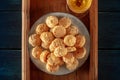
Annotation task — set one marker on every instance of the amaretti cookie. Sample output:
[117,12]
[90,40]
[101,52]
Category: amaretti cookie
[51,21]
[41,28]
[72,30]
[68,58]
[71,49]
[36,51]
[65,22]
[45,45]
[52,68]
[44,55]
[59,31]
[34,40]
[69,40]
[80,41]
[80,53]
[47,37]
[60,51]
[55,43]
[72,66]
[53,60]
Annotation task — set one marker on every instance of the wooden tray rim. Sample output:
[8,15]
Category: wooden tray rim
[93,73]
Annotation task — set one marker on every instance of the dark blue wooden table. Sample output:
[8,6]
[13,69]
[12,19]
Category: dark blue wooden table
[109,40]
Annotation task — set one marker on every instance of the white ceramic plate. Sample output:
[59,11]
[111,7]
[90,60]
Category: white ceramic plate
[75,21]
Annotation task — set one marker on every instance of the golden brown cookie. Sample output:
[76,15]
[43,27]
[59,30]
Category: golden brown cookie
[69,40]
[52,68]
[65,22]
[43,56]
[51,21]
[41,28]
[59,31]
[47,37]
[71,49]
[60,51]
[80,53]
[80,41]
[45,45]
[72,30]
[72,66]
[34,40]
[55,43]
[68,58]
[36,51]
[53,60]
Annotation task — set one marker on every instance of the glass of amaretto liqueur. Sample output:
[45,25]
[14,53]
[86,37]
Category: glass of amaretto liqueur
[79,7]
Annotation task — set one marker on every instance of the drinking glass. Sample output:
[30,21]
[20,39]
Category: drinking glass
[78,7]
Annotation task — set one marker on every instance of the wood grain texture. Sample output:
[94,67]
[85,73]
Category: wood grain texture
[37,9]
[25,28]
[109,6]
[109,64]
[10,65]
[11,5]
[109,30]
[94,41]
[37,74]
[10,30]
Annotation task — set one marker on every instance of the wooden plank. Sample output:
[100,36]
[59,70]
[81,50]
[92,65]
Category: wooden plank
[109,65]
[10,5]
[104,5]
[93,72]
[10,65]
[111,5]
[109,30]
[10,30]
[25,28]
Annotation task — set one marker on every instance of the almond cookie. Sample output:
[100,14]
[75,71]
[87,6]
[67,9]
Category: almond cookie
[72,30]
[45,45]
[55,43]
[68,58]
[36,51]
[65,22]
[47,37]
[41,28]
[69,40]
[80,41]
[43,56]
[51,21]
[52,68]
[71,49]
[34,40]
[60,51]
[53,60]
[80,53]
[59,31]
[72,66]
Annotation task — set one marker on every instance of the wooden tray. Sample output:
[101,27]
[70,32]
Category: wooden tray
[31,11]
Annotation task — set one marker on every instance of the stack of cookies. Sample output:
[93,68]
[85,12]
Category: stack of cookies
[57,42]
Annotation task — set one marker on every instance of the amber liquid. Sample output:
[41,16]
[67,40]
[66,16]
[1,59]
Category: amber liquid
[78,7]
[78,2]
[80,15]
